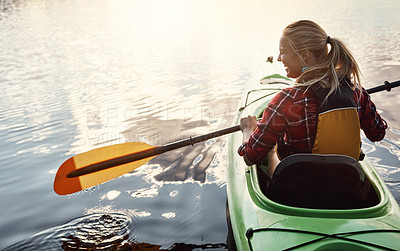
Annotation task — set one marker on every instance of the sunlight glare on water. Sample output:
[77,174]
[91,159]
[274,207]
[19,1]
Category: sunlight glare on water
[81,74]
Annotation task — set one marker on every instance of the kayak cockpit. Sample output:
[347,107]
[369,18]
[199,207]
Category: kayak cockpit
[319,182]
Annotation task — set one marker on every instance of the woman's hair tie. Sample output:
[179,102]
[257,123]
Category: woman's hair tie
[328,40]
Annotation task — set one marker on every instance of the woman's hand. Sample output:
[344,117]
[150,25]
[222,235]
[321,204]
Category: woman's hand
[248,124]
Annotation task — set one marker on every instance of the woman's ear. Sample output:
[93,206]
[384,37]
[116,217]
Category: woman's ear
[306,55]
[308,58]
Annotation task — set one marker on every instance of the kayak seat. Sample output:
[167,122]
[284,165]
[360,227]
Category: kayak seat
[320,182]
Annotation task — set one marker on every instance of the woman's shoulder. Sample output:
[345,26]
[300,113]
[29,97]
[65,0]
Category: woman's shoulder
[297,92]
[292,96]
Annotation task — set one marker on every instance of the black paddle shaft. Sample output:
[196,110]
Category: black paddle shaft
[149,152]
[387,86]
[185,142]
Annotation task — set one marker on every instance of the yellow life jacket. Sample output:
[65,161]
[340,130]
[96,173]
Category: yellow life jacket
[338,128]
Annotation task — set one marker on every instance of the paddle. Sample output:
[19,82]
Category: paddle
[106,163]
[73,174]
[387,86]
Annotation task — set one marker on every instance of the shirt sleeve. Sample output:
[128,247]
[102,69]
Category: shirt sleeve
[268,130]
[371,122]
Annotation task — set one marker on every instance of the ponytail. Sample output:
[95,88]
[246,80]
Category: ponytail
[334,61]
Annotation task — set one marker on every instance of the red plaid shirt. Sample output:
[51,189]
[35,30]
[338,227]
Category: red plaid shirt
[290,120]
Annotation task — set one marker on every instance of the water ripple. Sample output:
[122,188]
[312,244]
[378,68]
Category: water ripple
[99,229]
[96,230]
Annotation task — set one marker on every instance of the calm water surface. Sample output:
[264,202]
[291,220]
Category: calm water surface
[77,75]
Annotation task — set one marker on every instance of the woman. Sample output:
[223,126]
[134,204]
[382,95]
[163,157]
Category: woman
[325,109]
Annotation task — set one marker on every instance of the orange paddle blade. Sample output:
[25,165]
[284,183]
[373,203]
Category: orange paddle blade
[64,185]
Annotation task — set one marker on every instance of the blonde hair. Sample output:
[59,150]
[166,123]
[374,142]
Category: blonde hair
[332,64]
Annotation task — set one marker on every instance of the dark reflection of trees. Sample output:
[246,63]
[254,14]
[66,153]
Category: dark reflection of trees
[183,246]
[96,234]
[72,243]
[180,164]
[182,168]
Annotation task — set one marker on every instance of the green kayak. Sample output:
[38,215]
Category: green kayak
[298,212]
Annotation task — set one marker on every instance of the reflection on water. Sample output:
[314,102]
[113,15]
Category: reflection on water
[191,164]
[80,74]
[99,229]
[385,155]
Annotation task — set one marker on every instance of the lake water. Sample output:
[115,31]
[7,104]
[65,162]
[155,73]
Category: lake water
[80,74]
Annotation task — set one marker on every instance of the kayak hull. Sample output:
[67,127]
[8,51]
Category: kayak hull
[259,223]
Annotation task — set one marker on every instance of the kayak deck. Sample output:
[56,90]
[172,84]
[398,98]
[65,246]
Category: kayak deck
[258,222]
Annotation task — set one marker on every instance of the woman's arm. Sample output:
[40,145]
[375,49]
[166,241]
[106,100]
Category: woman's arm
[370,121]
[248,125]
